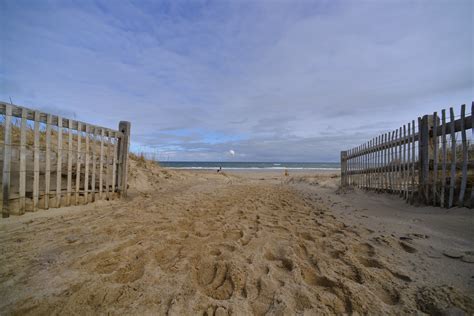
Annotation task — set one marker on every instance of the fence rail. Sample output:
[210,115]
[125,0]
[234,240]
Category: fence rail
[424,161]
[51,161]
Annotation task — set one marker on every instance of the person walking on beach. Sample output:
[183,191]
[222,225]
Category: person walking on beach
[219,170]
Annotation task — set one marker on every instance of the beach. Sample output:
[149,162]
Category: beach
[238,242]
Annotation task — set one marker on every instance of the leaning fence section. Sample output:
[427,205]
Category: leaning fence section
[51,161]
[428,161]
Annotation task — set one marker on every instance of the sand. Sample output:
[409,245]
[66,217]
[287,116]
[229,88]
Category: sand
[238,243]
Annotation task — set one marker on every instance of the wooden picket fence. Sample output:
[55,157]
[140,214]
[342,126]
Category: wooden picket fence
[425,162]
[50,161]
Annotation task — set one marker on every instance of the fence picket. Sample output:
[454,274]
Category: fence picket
[78,163]
[22,174]
[114,164]
[86,166]
[382,162]
[377,164]
[371,164]
[390,161]
[452,183]
[413,155]
[352,168]
[69,164]
[47,174]
[366,166]
[365,163]
[36,166]
[94,158]
[399,162]
[362,164]
[423,158]
[358,167]
[444,158]
[107,169]
[101,162]
[59,162]
[386,159]
[404,165]
[464,157]
[357,175]
[435,157]
[348,168]
[361,167]
[394,162]
[472,131]
[407,196]
[7,149]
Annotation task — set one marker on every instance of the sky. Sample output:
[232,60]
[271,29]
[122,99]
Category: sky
[271,80]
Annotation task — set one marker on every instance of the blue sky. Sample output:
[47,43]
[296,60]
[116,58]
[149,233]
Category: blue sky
[272,80]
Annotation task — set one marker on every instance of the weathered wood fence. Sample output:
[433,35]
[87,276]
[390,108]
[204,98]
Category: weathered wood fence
[50,161]
[430,161]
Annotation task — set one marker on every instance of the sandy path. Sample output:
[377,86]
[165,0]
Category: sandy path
[206,244]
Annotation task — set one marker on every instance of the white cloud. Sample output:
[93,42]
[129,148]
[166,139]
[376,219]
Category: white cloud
[312,78]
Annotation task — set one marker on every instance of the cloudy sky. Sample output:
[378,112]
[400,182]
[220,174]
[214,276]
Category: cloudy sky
[272,80]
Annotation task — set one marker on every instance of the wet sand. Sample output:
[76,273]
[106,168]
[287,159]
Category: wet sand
[238,243]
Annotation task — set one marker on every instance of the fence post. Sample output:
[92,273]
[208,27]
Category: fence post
[343,168]
[124,144]
[426,156]
[423,159]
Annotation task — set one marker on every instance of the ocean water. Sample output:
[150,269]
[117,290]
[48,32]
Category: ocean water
[214,165]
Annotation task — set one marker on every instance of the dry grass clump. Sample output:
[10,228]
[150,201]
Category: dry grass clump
[142,160]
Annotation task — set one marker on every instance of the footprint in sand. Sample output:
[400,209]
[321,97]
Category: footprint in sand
[333,294]
[283,262]
[262,295]
[245,240]
[227,246]
[407,248]
[365,253]
[131,272]
[309,276]
[371,263]
[364,249]
[122,269]
[388,295]
[169,256]
[220,279]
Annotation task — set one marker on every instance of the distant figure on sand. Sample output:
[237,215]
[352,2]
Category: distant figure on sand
[286,173]
[219,170]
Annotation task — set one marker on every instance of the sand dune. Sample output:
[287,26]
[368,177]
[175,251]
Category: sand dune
[218,244]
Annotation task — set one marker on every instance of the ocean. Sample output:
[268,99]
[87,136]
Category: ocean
[214,165]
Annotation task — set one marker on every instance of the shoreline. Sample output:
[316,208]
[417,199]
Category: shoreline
[275,170]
